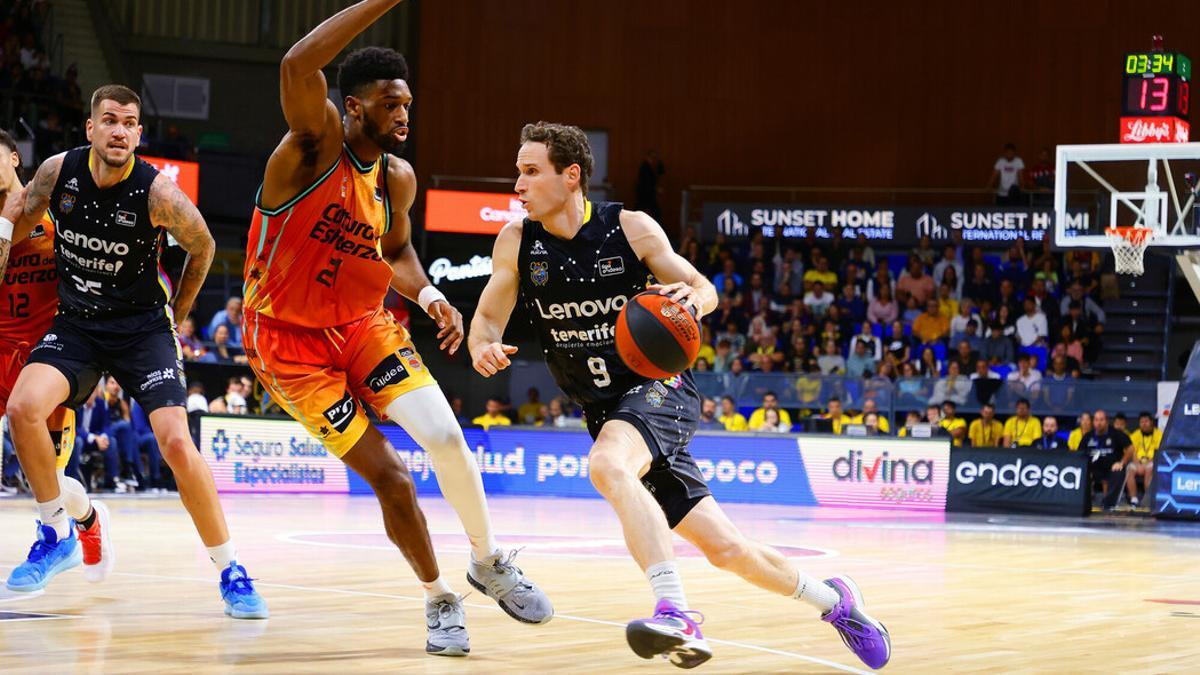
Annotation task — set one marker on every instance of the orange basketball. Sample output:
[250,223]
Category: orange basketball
[656,336]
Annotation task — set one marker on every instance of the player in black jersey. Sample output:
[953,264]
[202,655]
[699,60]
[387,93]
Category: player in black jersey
[112,212]
[574,264]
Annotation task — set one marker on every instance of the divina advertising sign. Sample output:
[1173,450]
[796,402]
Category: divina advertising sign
[1019,480]
[878,473]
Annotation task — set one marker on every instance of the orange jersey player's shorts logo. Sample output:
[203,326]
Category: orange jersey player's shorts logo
[389,371]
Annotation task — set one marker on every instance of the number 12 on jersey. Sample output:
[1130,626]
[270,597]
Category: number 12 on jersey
[600,369]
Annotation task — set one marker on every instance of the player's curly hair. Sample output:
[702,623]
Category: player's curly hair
[363,66]
[566,144]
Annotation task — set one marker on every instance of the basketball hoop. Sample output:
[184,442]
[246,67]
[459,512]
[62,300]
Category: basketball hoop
[1129,247]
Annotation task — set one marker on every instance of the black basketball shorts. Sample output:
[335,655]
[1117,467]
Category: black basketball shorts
[141,351]
[666,413]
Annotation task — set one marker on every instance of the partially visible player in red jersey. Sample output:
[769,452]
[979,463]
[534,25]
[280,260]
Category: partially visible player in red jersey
[330,234]
[28,302]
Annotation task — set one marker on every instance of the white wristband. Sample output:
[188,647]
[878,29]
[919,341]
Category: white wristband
[428,296]
[6,229]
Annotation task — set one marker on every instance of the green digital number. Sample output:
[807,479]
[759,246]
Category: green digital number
[1142,63]
[1156,62]
[1169,62]
[1131,64]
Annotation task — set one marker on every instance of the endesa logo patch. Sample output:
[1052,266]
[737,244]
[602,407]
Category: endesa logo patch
[389,371]
[340,414]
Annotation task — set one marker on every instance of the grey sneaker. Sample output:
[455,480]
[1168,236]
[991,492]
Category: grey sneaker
[447,625]
[497,577]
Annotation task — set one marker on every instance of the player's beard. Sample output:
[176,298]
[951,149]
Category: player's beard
[385,141]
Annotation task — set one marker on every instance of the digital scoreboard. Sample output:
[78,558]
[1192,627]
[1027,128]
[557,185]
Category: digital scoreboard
[1156,97]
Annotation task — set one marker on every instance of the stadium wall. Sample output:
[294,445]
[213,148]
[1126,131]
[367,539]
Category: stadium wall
[864,88]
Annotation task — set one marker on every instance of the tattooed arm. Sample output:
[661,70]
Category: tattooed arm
[171,210]
[25,208]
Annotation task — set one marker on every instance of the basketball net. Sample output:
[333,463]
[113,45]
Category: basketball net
[1129,248]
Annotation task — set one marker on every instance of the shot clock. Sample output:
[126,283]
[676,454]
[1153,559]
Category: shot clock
[1156,97]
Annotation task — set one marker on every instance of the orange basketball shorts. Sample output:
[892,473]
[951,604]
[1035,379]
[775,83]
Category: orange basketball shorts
[62,420]
[323,376]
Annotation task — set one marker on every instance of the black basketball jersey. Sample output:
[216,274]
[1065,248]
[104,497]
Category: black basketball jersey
[574,289]
[106,249]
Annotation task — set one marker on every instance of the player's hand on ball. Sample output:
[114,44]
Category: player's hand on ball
[493,358]
[680,292]
[450,325]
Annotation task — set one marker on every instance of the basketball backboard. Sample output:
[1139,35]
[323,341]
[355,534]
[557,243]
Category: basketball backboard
[1153,185]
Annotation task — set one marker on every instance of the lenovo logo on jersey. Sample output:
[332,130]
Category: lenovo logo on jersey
[587,308]
[1191,409]
[93,243]
[1020,474]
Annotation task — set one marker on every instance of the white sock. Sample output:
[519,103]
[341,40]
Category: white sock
[816,593]
[435,588]
[54,514]
[75,498]
[222,555]
[427,417]
[666,582]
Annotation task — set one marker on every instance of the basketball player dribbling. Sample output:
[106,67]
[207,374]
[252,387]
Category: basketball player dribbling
[571,253]
[116,313]
[330,233]
[28,302]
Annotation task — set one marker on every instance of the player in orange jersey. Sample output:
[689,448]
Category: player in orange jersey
[28,301]
[330,234]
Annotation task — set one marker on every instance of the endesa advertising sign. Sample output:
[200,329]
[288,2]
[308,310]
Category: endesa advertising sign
[877,473]
[901,226]
[470,212]
[1020,480]
[185,174]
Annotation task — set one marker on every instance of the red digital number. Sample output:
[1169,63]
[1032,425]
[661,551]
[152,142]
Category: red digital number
[1184,96]
[1161,85]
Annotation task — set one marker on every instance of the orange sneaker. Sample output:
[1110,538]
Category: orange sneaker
[96,541]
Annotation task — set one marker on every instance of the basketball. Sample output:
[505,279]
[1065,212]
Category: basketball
[656,336]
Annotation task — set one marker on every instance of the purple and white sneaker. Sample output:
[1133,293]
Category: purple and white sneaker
[672,634]
[866,637]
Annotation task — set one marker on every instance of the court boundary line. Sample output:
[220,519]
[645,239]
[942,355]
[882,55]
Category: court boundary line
[493,607]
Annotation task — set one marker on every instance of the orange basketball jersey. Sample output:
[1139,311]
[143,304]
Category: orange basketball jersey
[315,261]
[29,295]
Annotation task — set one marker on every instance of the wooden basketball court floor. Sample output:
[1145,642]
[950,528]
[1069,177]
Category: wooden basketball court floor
[960,594]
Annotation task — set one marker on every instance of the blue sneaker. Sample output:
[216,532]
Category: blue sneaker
[241,600]
[47,557]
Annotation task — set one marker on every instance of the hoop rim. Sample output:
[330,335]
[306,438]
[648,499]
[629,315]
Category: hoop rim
[1133,234]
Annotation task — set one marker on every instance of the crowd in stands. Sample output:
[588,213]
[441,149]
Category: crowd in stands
[115,448]
[32,99]
[838,308]
[559,412]
[929,323]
